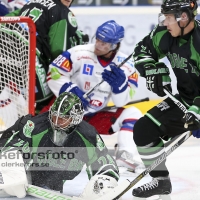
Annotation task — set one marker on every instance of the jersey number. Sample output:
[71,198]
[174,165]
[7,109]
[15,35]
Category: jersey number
[34,13]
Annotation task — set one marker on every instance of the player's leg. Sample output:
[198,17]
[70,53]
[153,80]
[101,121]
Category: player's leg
[163,119]
[126,152]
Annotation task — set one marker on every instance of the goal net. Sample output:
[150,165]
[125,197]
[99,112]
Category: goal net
[17,69]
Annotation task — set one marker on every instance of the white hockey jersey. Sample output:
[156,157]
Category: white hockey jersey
[81,66]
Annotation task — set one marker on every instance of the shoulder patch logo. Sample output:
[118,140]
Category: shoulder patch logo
[28,128]
[72,19]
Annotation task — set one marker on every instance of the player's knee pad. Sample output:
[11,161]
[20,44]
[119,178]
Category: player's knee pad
[145,131]
[131,112]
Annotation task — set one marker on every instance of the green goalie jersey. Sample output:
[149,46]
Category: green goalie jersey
[183,54]
[49,164]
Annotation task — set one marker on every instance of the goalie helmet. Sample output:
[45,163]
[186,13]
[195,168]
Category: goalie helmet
[65,114]
[177,7]
[110,32]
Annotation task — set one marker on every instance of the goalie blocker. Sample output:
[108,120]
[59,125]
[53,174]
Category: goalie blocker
[13,179]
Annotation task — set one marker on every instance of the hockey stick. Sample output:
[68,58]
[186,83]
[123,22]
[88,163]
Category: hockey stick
[132,102]
[121,189]
[177,102]
[97,85]
[45,194]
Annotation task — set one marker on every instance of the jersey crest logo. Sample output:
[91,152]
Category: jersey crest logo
[133,78]
[163,106]
[72,19]
[28,128]
[87,85]
[66,66]
[97,187]
[95,103]
[88,69]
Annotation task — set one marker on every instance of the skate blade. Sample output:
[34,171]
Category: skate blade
[155,197]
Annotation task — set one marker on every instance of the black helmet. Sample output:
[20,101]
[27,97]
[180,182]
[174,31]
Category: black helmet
[180,6]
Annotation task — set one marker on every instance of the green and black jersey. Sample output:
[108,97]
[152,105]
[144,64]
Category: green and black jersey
[182,52]
[49,164]
[55,25]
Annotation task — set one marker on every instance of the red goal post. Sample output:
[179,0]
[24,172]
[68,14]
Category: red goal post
[17,69]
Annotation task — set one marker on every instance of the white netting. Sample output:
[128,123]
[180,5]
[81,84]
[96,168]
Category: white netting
[14,72]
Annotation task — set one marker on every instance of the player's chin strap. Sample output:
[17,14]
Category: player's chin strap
[124,186]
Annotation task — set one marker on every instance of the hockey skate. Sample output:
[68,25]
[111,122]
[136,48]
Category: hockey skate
[157,197]
[158,186]
[125,159]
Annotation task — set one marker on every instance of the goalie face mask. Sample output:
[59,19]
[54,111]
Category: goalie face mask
[64,115]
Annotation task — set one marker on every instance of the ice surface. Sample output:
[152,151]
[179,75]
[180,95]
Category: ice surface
[184,167]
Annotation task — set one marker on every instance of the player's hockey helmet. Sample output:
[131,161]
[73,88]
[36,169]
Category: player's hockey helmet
[177,7]
[66,106]
[110,32]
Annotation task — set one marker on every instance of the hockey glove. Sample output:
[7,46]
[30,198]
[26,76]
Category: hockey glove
[196,133]
[116,78]
[71,87]
[192,116]
[98,186]
[13,174]
[3,10]
[157,76]
[80,38]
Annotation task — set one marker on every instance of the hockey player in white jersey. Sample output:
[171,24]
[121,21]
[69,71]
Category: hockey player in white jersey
[80,68]
[125,149]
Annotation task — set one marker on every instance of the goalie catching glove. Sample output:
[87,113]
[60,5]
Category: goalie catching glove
[157,76]
[192,117]
[98,186]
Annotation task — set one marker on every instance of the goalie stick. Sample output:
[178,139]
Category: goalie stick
[122,188]
[45,194]
[98,84]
